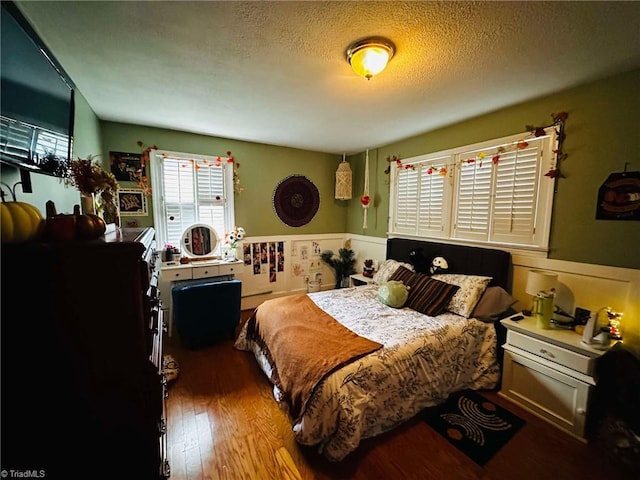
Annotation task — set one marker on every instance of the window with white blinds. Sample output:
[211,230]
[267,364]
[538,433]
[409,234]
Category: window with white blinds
[495,192]
[191,189]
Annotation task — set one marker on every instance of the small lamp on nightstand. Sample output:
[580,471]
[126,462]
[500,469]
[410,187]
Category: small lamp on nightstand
[541,285]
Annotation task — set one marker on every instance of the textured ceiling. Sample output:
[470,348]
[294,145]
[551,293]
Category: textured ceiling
[275,72]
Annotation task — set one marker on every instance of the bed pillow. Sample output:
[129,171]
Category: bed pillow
[495,301]
[428,295]
[386,270]
[393,294]
[467,297]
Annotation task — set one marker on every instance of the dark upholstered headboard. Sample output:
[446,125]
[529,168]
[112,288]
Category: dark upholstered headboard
[461,259]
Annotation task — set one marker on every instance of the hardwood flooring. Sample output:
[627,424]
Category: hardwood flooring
[223,423]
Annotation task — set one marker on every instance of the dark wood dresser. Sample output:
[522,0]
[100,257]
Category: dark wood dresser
[82,345]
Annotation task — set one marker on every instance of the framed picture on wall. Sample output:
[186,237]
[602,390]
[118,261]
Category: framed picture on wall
[132,202]
[126,167]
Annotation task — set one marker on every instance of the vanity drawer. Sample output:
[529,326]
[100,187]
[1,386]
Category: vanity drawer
[171,275]
[553,353]
[229,269]
[206,271]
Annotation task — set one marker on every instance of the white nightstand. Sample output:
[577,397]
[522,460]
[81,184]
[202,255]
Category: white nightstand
[549,372]
[358,279]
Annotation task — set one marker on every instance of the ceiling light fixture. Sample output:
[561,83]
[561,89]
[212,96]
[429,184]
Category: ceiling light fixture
[369,56]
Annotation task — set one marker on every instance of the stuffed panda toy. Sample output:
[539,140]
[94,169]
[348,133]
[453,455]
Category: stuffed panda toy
[438,265]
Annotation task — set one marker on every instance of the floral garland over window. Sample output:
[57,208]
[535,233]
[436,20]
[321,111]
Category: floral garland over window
[236,177]
[237,189]
[554,172]
[143,180]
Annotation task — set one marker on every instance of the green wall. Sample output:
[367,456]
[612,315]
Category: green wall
[262,167]
[602,133]
[86,141]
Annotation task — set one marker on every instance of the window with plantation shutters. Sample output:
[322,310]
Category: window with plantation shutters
[419,206]
[490,193]
[192,189]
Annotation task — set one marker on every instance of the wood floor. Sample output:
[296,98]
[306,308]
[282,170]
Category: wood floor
[224,424]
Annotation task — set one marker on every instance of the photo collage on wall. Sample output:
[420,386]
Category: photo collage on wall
[265,257]
[306,259]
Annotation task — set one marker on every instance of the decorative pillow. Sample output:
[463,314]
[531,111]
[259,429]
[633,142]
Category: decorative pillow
[404,275]
[471,289]
[386,270]
[393,294]
[494,302]
[429,296]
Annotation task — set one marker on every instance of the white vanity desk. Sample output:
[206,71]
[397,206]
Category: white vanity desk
[175,273]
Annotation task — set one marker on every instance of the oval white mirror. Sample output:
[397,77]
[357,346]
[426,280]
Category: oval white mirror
[199,240]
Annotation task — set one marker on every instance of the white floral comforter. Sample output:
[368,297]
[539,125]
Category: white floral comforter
[423,360]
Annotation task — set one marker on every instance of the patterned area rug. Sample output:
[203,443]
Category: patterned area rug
[473,424]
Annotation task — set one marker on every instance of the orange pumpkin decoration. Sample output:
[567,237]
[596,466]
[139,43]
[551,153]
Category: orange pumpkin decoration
[66,227]
[88,225]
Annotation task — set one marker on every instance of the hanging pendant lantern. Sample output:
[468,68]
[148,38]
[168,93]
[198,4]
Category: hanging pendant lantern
[365,199]
[343,180]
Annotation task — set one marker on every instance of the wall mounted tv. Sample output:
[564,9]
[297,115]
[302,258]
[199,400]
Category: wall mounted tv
[36,100]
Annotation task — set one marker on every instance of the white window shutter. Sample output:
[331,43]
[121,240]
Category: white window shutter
[516,195]
[406,201]
[434,199]
[473,201]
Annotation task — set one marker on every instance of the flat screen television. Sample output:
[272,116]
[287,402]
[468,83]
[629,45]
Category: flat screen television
[36,100]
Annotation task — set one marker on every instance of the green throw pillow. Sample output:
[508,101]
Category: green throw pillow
[393,293]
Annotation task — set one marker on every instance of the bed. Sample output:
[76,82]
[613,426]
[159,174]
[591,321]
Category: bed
[390,363]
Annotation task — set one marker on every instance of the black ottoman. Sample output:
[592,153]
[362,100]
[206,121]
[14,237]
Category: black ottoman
[206,312]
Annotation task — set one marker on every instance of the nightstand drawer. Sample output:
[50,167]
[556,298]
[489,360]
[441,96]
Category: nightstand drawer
[550,394]
[553,353]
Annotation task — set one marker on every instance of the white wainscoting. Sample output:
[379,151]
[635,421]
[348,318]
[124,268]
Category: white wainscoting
[588,286]
[298,251]
[368,247]
[583,285]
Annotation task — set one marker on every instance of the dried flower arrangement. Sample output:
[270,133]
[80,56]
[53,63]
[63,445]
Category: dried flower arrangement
[91,179]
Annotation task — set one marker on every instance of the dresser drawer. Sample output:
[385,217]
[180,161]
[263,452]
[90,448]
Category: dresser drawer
[206,271]
[553,353]
[230,269]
